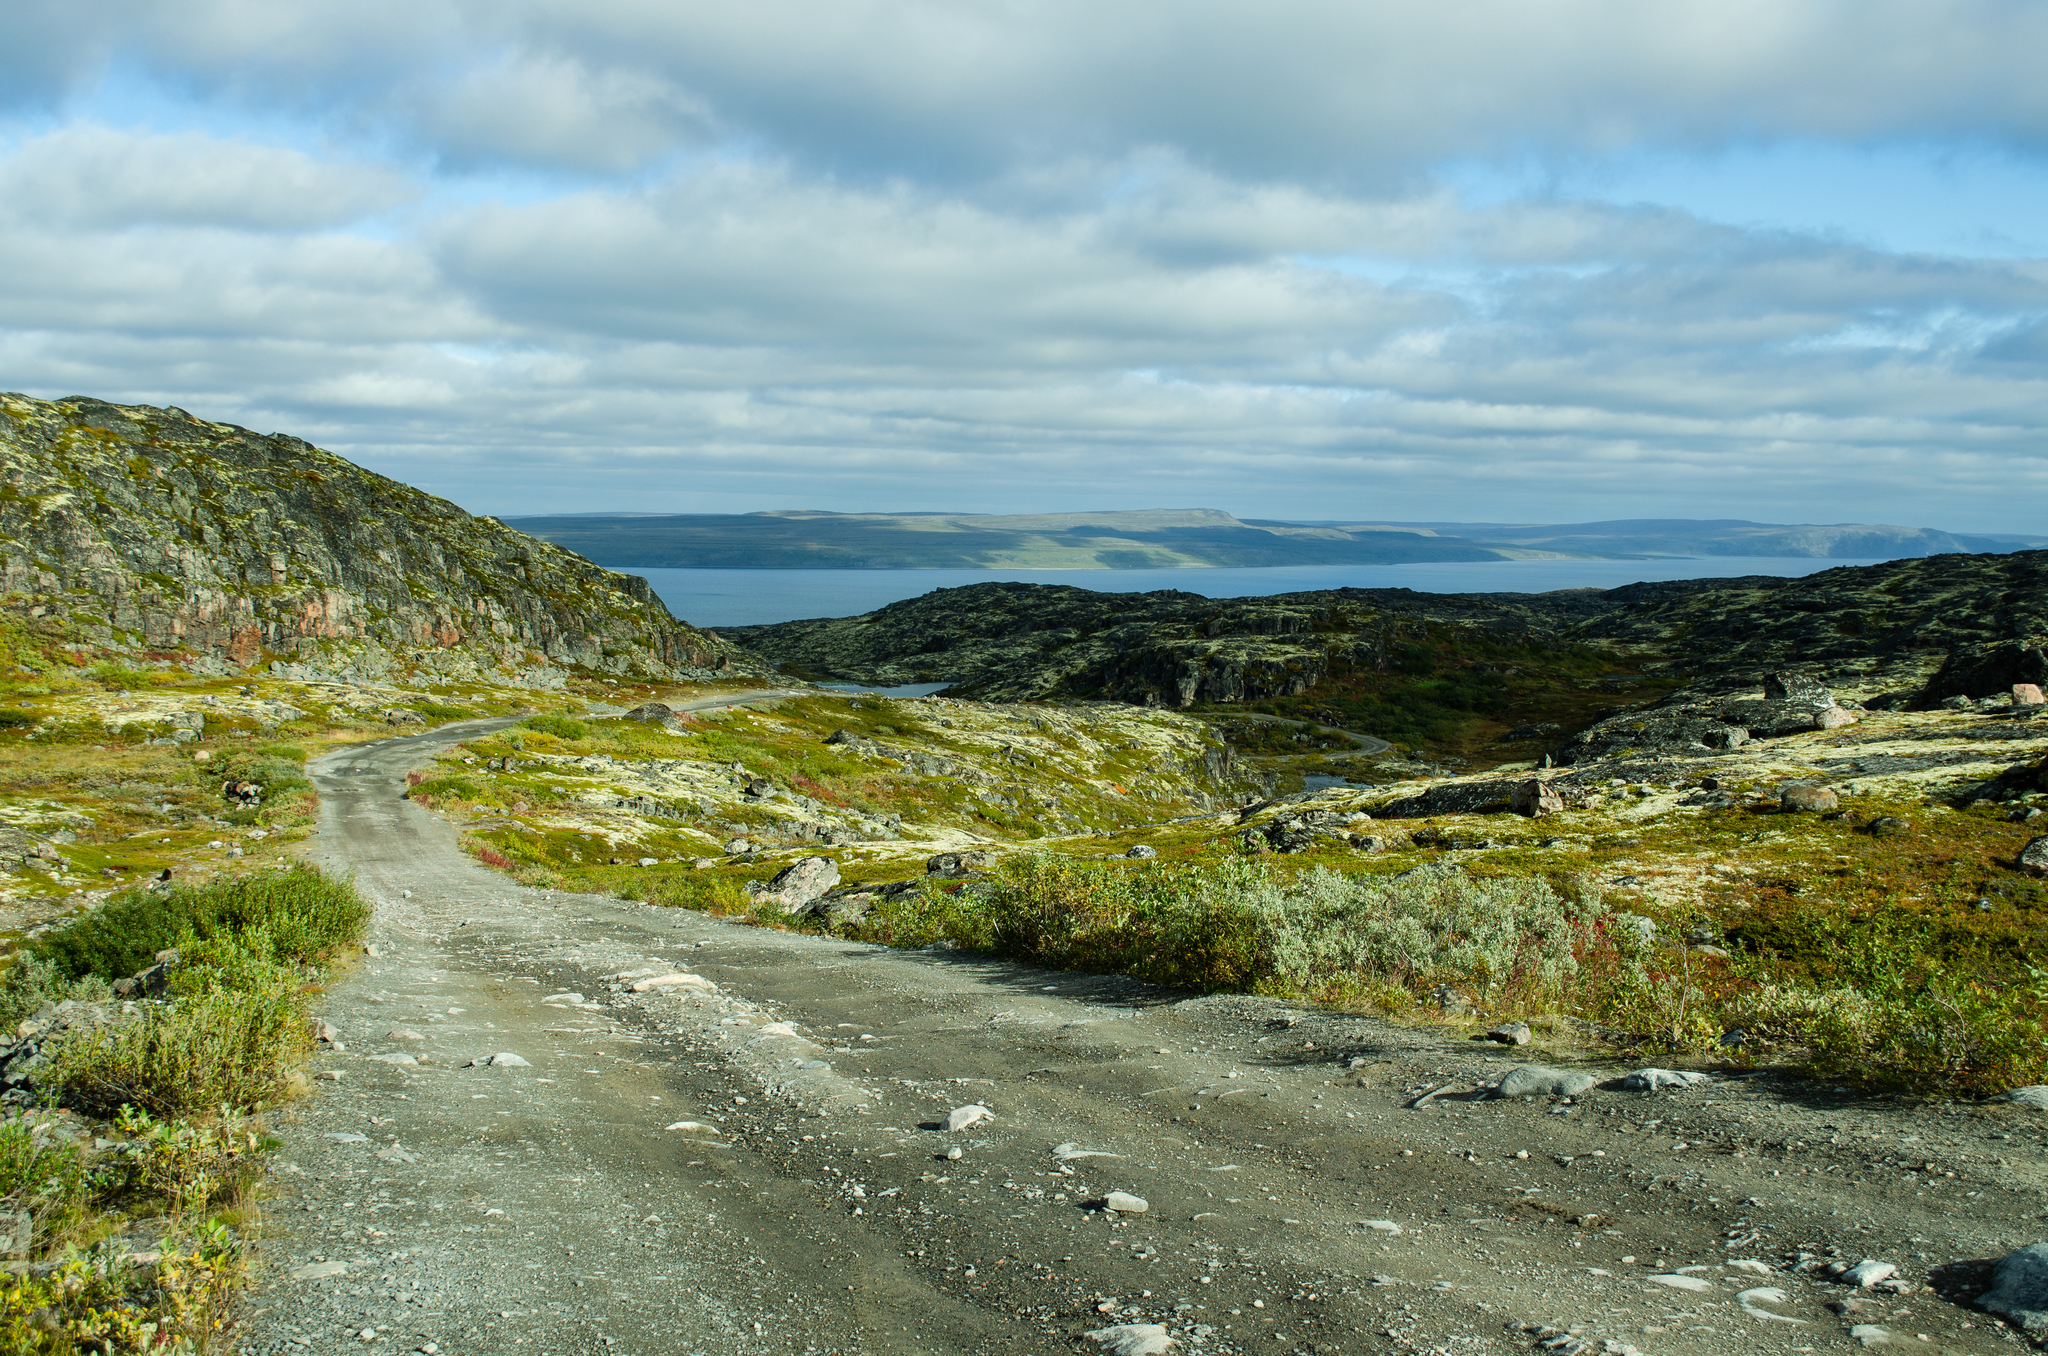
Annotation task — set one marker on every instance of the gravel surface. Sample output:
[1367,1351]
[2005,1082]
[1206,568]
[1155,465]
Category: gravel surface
[755,1160]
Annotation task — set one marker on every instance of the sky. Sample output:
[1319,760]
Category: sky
[1489,260]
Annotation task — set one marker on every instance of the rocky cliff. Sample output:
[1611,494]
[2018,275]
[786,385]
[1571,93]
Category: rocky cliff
[151,532]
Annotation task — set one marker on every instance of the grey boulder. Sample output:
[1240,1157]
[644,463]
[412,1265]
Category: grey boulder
[1533,1080]
[2034,857]
[2019,1288]
[799,887]
[1649,1080]
[2034,1095]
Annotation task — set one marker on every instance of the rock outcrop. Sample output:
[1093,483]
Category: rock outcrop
[152,532]
[1927,628]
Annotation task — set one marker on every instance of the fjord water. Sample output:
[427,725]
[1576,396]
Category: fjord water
[717,598]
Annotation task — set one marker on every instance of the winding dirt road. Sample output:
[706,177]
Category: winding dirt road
[751,1164]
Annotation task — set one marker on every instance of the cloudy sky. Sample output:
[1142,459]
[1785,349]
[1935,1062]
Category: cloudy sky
[1511,261]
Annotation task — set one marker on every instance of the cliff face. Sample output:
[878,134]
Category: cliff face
[148,530]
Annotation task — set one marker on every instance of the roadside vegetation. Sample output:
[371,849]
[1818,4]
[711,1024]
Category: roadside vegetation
[1454,694]
[132,1168]
[1730,933]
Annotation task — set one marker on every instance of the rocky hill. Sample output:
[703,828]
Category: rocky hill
[151,532]
[1899,623]
[1496,675]
[1008,642]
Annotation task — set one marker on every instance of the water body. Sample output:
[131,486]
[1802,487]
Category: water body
[900,690]
[756,597]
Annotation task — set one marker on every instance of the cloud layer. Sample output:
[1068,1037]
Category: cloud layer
[903,255]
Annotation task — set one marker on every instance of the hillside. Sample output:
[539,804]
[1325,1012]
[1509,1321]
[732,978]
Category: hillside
[149,532]
[1729,537]
[1459,671]
[1180,538]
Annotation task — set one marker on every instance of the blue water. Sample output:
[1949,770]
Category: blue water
[755,597]
[900,690]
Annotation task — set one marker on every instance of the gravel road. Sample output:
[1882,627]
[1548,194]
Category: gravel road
[757,1162]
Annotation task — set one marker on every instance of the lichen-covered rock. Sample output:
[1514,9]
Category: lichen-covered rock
[798,887]
[1535,798]
[1683,729]
[2033,857]
[145,528]
[1452,798]
[1809,798]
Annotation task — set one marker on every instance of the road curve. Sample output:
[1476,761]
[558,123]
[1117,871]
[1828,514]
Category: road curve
[546,1206]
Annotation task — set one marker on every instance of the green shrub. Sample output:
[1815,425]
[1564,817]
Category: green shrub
[192,1056]
[453,785]
[28,984]
[49,1180]
[1241,925]
[561,727]
[442,711]
[302,913]
[934,912]
[278,776]
[110,674]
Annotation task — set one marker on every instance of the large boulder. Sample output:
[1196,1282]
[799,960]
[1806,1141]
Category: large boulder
[1533,1080]
[1452,798]
[2019,1289]
[1667,730]
[1801,796]
[1785,686]
[2034,857]
[1771,719]
[800,886]
[1535,798]
[652,713]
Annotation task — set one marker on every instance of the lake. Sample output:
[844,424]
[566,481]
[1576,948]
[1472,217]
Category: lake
[717,598]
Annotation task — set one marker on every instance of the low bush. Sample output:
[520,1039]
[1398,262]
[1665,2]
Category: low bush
[561,727]
[269,768]
[302,914]
[119,677]
[1241,925]
[205,1051]
[442,711]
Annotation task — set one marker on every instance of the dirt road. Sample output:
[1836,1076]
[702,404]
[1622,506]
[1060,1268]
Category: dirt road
[754,1167]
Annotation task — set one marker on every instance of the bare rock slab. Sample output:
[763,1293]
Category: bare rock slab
[1533,1080]
[2019,1289]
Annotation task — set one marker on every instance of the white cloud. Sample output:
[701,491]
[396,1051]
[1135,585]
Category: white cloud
[86,175]
[557,112]
[893,253]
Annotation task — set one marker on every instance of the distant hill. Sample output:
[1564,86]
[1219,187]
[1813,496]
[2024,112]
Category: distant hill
[1731,537]
[1168,538]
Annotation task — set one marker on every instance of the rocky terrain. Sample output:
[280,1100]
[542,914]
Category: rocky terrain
[574,1121]
[150,533]
[1013,642]
[1908,633]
